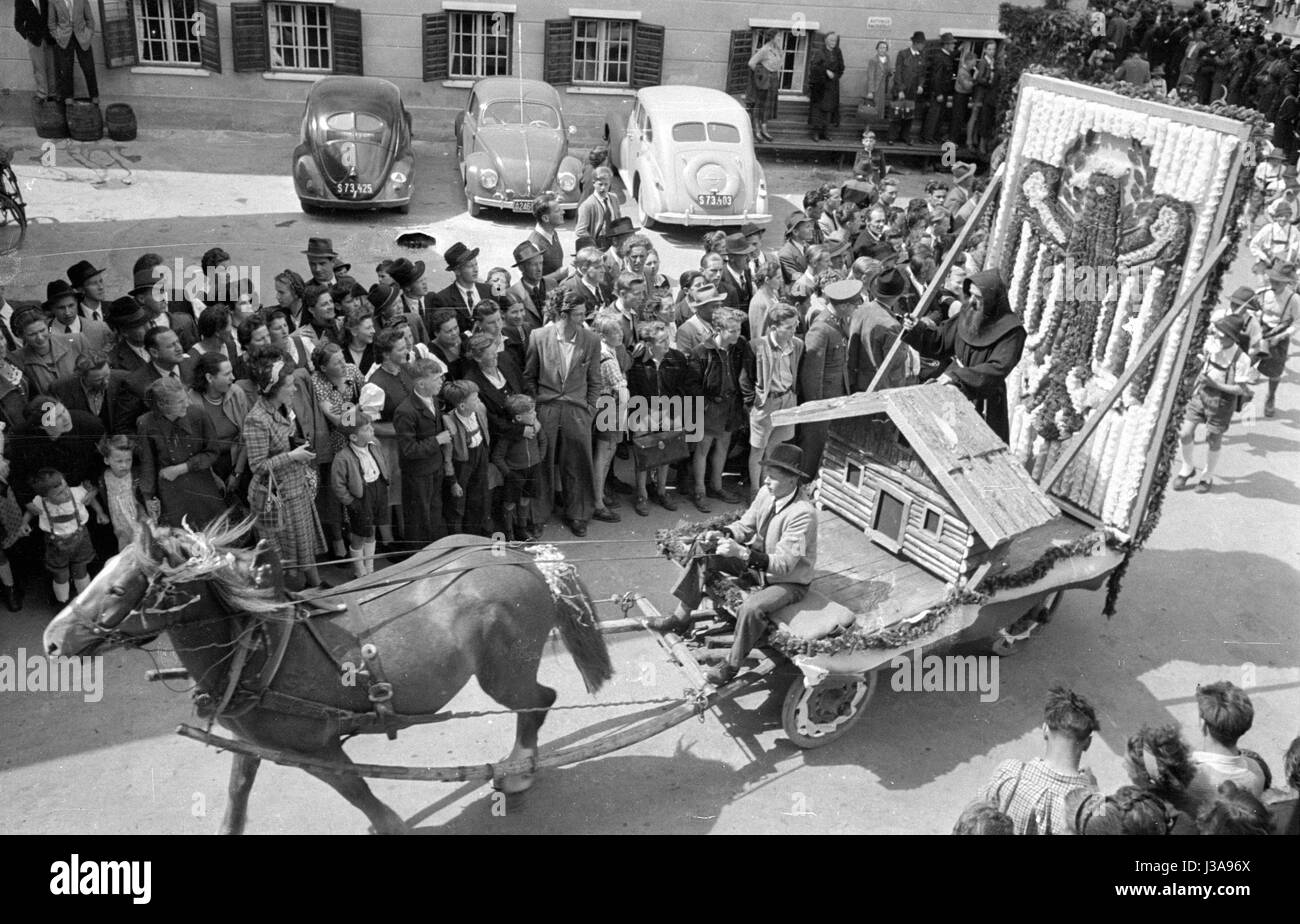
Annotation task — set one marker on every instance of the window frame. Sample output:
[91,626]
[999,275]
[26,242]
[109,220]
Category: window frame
[479,55]
[272,25]
[142,40]
[602,43]
[800,67]
[892,543]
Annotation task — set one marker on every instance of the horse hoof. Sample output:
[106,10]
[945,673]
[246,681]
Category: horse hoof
[512,785]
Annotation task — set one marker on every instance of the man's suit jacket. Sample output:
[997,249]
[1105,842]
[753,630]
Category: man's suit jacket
[872,332]
[581,387]
[909,73]
[789,540]
[793,261]
[130,404]
[521,294]
[738,293]
[451,297]
[187,331]
[124,359]
[592,301]
[65,24]
[594,220]
[31,20]
[417,427]
[95,335]
[73,396]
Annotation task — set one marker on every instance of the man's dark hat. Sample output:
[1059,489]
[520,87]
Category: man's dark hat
[1234,326]
[403,272]
[320,247]
[749,229]
[583,243]
[126,312]
[340,268]
[857,192]
[622,226]
[946,38]
[457,254]
[889,283]
[918,36]
[56,290]
[381,296]
[525,252]
[738,245]
[787,457]
[81,273]
[144,280]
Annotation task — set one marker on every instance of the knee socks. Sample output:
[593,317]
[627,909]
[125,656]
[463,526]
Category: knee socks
[368,550]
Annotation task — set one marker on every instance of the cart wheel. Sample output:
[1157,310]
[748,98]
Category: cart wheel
[816,717]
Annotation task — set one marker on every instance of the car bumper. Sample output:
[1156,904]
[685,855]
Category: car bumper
[508,205]
[711,219]
[356,205]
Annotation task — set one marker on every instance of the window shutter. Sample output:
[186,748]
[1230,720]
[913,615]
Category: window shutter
[742,49]
[557,63]
[249,37]
[210,41]
[647,55]
[346,40]
[815,40]
[117,23]
[436,46]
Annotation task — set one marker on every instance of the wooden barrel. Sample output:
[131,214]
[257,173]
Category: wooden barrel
[119,119]
[50,119]
[85,121]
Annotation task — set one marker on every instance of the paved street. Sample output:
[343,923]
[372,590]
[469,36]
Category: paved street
[1213,596]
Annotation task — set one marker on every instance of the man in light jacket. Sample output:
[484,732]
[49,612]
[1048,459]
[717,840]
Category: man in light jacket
[72,26]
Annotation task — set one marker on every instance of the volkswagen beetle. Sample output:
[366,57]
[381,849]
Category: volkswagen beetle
[686,155]
[355,149]
[512,143]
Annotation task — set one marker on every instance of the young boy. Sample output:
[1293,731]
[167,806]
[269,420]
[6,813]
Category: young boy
[1226,714]
[520,458]
[120,489]
[1033,792]
[61,513]
[1222,380]
[467,461]
[359,479]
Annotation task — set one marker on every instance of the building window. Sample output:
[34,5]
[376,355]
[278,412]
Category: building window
[794,57]
[479,44]
[602,52]
[933,521]
[299,36]
[889,520]
[167,32]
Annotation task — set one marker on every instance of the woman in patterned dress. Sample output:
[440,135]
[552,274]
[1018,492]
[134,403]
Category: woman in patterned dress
[278,457]
[337,384]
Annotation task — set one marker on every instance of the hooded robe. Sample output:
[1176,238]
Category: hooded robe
[980,349]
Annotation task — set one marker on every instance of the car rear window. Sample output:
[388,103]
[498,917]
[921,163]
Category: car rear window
[715,131]
[354,121]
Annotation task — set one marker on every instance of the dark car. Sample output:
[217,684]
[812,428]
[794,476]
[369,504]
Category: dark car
[355,150]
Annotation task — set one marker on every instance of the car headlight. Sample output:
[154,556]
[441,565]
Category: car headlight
[487,178]
[568,182]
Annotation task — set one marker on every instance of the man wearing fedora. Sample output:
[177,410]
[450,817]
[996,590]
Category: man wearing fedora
[799,231]
[587,285]
[758,257]
[771,550]
[321,258]
[531,289]
[61,302]
[409,278]
[699,326]
[941,86]
[129,321]
[909,84]
[562,373]
[149,289]
[824,372]
[88,280]
[386,302]
[465,290]
[165,355]
[548,213]
[873,328]
[44,356]
[737,283]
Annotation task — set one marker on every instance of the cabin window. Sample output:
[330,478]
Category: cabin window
[933,522]
[853,474]
[889,519]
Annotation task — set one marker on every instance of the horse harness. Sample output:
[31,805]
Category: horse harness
[358,663]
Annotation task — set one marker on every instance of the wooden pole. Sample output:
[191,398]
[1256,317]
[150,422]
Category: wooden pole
[1132,366]
[941,273]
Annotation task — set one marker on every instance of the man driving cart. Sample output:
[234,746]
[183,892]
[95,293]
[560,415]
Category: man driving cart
[772,548]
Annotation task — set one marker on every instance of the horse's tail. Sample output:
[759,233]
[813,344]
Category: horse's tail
[576,616]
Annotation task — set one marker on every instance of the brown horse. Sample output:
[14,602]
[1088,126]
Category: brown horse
[458,609]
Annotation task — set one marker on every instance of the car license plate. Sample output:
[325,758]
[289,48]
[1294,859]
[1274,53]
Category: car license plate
[714,200]
[347,188]
[522,205]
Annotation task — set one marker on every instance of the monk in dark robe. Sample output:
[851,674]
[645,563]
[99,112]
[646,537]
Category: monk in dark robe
[981,346]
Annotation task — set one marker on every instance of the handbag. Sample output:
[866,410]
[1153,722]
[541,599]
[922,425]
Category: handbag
[651,450]
[763,78]
[271,511]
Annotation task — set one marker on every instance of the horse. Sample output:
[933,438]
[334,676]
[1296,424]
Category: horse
[462,607]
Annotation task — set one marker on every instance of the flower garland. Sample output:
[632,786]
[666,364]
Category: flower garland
[1084,545]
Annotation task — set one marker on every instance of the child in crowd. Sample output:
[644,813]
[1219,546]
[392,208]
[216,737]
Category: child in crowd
[1235,811]
[520,459]
[61,513]
[467,461]
[1033,792]
[1226,714]
[983,818]
[120,488]
[1159,761]
[359,479]
[1226,367]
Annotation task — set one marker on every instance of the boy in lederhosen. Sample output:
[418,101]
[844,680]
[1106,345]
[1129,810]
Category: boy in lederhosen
[1221,383]
[62,513]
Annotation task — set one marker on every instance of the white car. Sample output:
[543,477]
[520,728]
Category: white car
[686,155]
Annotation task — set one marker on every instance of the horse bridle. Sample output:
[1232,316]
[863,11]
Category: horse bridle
[156,593]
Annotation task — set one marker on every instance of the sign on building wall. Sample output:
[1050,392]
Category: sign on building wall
[879,22]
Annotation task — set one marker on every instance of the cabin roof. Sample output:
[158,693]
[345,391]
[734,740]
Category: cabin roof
[998,498]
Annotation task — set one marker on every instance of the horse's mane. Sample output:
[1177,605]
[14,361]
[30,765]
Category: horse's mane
[210,554]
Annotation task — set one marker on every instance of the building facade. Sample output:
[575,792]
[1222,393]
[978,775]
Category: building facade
[246,65]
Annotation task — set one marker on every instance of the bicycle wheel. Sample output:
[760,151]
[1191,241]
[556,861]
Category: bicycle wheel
[9,185]
[13,224]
